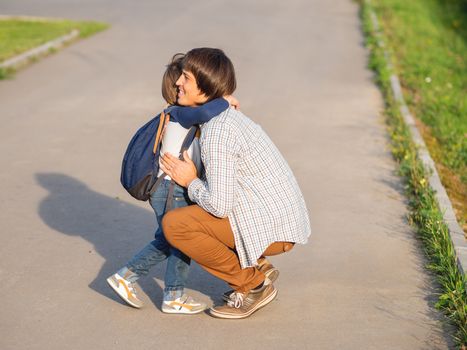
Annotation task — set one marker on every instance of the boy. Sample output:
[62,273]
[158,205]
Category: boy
[176,128]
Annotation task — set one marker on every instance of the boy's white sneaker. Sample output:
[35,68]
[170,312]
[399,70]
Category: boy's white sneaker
[183,305]
[125,289]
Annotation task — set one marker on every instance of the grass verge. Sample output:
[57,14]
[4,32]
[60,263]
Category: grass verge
[428,39]
[424,214]
[20,35]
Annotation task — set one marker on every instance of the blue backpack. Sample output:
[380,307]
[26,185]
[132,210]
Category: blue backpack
[140,165]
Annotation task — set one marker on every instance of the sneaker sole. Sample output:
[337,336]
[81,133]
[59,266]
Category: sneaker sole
[116,290]
[272,274]
[260,305]
[171,311]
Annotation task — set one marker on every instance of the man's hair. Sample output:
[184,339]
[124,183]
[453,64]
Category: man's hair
[213,71]
[171,75]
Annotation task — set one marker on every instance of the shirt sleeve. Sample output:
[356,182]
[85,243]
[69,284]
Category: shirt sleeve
[189,116]
[217,193]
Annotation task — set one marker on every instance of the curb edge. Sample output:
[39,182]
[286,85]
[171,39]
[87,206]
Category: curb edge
[455,231]
[26,57]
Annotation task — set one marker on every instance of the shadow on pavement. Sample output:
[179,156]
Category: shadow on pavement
[116,229]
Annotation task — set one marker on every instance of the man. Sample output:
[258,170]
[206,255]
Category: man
[249,204]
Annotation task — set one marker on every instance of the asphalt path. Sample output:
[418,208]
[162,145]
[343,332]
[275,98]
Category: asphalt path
[66,223]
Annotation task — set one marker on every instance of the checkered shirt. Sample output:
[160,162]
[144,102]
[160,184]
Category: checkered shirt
[248,181]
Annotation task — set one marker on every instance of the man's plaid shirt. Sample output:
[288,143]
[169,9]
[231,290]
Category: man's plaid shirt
[248,181]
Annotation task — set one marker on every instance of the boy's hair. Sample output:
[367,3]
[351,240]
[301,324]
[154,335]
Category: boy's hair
[213,71]
[170,77]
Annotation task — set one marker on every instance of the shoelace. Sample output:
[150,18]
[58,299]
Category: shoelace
[236,300]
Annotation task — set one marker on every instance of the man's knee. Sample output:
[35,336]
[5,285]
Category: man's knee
[277,248]
[288,246]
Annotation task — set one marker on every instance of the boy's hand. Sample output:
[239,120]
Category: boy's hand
[182,172]
[233,102]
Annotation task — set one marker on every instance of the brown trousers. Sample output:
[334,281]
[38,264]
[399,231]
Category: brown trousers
[209,241]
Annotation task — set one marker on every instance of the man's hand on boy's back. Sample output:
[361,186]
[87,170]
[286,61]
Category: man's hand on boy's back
[183,172]
[233,102]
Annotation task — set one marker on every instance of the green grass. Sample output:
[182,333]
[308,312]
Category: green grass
[428,39]
[424,215]
[18,36]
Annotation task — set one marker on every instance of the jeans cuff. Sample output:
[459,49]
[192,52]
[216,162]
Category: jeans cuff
[128,274]
[172,293]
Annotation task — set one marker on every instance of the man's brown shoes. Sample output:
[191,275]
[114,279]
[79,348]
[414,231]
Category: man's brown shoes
[242,305]
[266,268]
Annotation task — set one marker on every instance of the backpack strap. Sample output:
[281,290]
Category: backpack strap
[162,121]
[188,140]
[157,183]
[170,196]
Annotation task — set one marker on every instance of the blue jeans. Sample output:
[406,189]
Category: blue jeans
[159,249]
